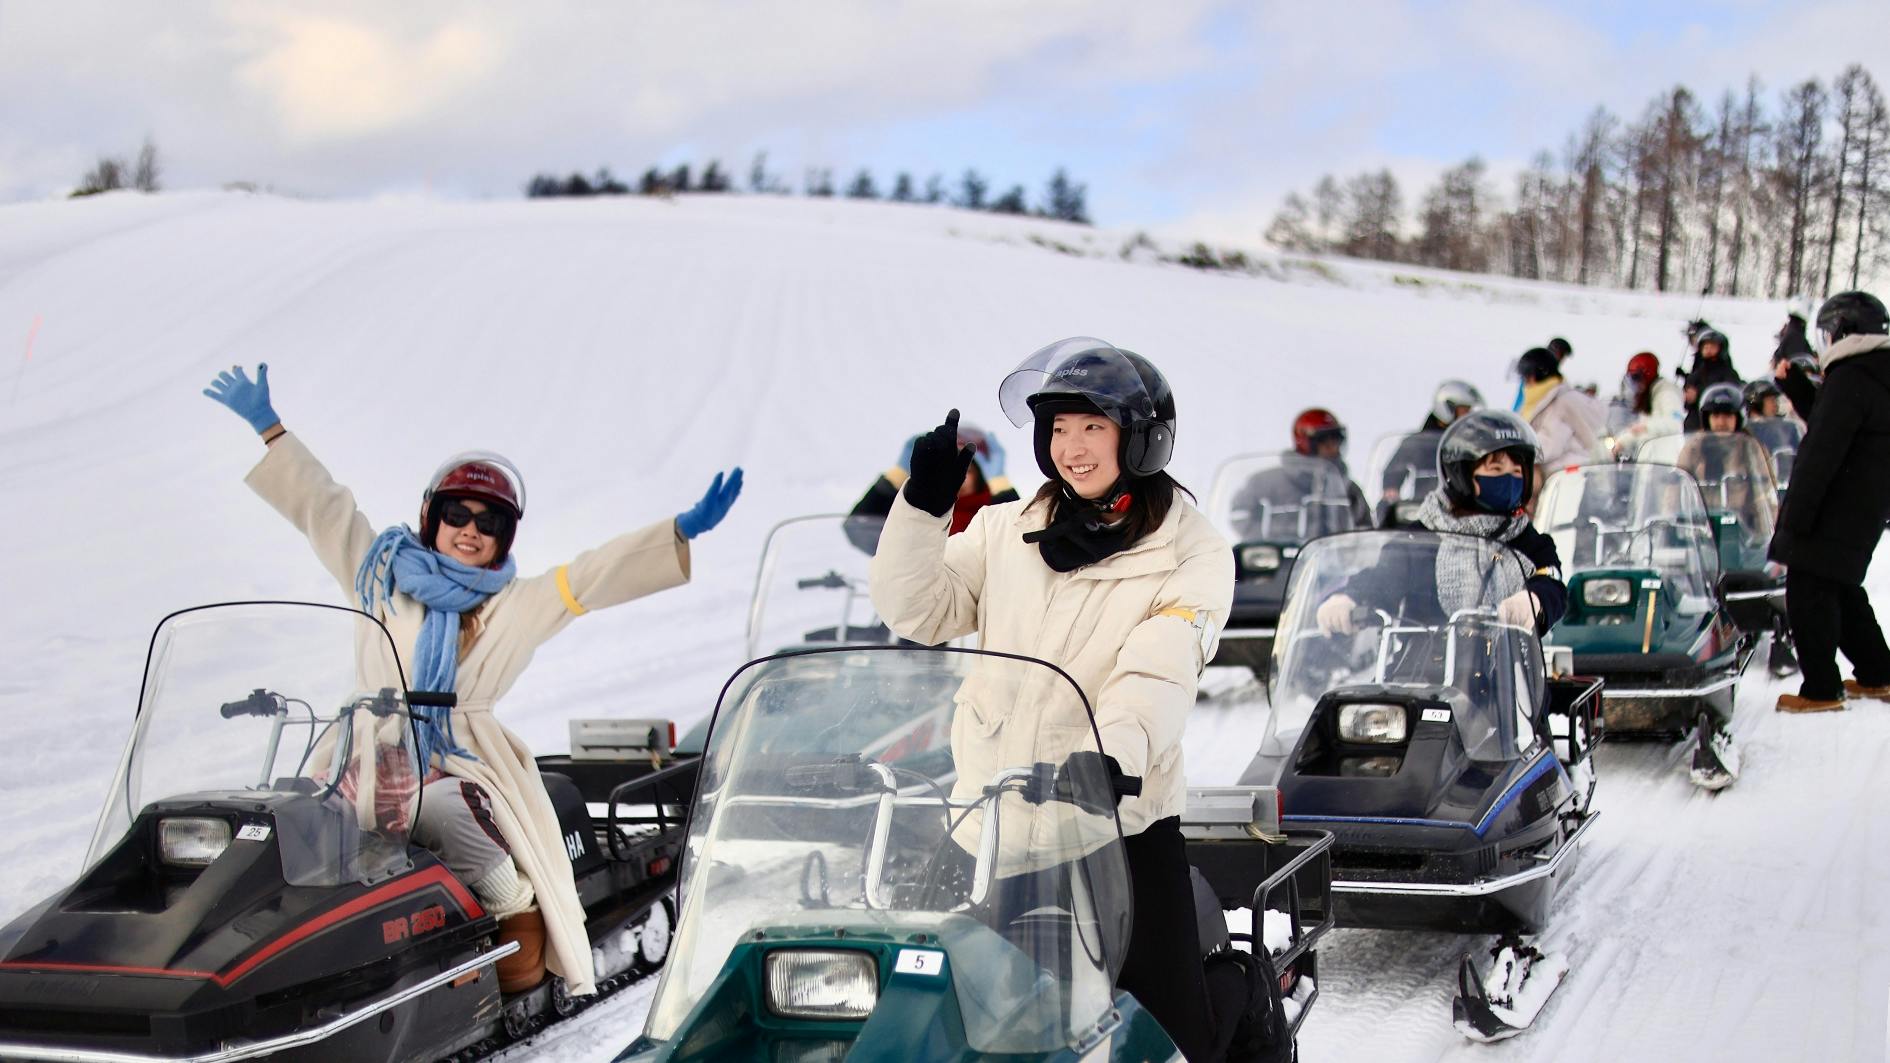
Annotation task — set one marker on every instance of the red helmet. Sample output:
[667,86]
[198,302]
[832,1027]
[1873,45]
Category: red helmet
[1314,426]
[1643,366]
[482,475]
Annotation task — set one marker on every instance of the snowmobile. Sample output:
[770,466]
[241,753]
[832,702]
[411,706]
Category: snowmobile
[1646,610]
[847,898]
[1270,506]
[1781,437]
[1453,771]
[1403,471]
[811,590]
[251,888]
[1734,472]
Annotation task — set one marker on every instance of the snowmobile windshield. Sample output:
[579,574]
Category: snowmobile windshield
[1080,367]
[1734,471]
[1780,436]
[1640,517]
[950,799]
[259,703]
[1418,616]
[1403,468]
[1287,498]
[811,588]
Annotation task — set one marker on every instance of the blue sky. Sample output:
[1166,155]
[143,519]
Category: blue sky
[1190,114]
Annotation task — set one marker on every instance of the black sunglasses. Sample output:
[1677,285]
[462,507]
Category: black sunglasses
[490,521]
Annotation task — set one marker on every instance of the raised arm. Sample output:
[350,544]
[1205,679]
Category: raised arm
[291,480]
[925,582]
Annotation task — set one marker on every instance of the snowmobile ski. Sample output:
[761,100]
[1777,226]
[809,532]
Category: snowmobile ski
[1505,1003]
[1715,758]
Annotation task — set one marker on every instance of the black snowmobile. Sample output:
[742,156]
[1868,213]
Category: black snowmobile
[1269,506]
[251,889]
[1425,734]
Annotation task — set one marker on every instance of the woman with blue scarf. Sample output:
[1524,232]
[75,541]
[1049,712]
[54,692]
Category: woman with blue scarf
[450,593]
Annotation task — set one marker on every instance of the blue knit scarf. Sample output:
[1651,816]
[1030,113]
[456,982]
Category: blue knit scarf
[398,562]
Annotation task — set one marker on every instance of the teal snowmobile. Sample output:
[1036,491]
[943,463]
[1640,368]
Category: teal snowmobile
[846,894]
[1270,506]
[1646,609]
[1734,471]
[1426,735]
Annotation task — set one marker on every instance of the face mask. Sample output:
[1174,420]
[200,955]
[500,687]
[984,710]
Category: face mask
[1499,494]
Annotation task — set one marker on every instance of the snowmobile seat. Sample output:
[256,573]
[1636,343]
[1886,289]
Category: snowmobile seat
[574,823]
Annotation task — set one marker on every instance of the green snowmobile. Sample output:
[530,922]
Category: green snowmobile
[846,894]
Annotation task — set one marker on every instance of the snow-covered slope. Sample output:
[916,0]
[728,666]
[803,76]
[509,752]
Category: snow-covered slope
[623,350]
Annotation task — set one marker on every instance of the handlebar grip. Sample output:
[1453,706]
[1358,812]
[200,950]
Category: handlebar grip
[259,703]
[1127,785]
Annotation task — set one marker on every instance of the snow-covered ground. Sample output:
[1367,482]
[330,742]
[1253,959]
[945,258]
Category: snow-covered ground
[623,350]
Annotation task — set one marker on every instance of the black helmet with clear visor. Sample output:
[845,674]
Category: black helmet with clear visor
[1087,375]
[1475,436]
[1850,314]
[1723,398]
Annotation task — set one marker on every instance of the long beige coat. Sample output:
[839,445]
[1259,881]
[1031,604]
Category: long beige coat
[1134,630]
[516,620]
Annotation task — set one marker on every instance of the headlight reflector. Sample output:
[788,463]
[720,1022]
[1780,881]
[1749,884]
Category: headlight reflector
[1261,558]
[822,983]
[192,841]
[1372,723]
[1606,592]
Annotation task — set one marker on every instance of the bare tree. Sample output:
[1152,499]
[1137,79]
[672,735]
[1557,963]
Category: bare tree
[1376,210]
[1290,228]
[1873,193]
[1798,170]
[144,175]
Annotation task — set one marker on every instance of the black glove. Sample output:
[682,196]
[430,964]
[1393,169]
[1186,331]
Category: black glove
[1087,778]
[939,465]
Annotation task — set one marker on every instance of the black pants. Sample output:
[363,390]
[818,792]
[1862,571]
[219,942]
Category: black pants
[1828,616]
[1163,969]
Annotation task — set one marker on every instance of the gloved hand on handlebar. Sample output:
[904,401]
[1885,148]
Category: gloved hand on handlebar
[1334,615]
[1087,778]
[1519,610]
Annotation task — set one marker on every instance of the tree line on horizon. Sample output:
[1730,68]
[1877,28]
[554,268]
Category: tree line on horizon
[1740,201]
[1062,198]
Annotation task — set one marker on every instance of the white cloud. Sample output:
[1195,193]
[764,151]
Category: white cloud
[331,78]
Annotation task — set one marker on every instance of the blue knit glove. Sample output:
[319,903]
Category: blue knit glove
[250,399]
[714,506]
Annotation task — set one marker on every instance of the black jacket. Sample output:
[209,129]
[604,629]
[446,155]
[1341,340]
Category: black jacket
[869,513]
[1801,390]
[1705,373]
[1834,513]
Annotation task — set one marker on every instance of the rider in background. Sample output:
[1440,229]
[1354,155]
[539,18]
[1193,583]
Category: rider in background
[1766,420]
[1722,409]
[1486,465]
[985,484]
[1567,423]
[1451,400]
[1318,451]
[1656,403]
[1712,364]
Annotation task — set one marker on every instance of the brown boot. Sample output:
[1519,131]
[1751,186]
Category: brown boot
[1854,689]
[1794,703]
[525,968]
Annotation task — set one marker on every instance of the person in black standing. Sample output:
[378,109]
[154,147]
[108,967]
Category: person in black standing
[1834,514]
[1712,364]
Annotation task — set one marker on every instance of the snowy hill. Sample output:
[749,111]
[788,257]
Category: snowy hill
[623,350]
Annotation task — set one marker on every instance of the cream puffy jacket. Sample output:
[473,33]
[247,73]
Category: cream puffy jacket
[515,621]
[1568,424]
[1133,630]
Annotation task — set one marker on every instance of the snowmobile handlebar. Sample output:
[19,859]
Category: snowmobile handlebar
[260,702]
[832,580]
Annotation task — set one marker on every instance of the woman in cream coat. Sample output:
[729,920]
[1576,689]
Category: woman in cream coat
[1107,573]
[457,591]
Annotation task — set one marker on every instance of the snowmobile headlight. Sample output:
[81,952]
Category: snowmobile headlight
[1372,723]
[192,841]
[822,983]
[1606,592]
[1261,558]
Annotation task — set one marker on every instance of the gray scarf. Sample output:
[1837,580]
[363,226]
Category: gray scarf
[1470,574]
